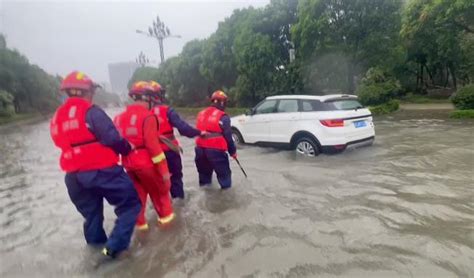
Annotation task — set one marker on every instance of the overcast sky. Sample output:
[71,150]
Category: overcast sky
[61,36]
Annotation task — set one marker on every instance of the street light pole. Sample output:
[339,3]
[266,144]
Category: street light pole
[142,60]
[160,32]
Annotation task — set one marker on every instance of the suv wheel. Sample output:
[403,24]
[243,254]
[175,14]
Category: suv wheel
[237,137]
[307,147]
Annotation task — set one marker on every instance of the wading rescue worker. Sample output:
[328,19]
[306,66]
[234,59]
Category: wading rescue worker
[169,119]
[146,163]
[90,145]
[211,149]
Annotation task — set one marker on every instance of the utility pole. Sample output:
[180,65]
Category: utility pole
[142,60]
[160,32]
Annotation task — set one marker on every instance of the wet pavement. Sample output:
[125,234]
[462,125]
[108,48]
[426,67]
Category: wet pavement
[400,208]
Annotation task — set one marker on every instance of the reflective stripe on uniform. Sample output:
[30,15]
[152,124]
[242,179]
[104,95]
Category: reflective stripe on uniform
[158,158]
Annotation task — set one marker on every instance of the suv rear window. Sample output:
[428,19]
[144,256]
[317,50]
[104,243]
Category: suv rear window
[309,105]
[344,104]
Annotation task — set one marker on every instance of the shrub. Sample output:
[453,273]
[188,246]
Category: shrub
[464,98]
[462,114]
[6,104]
[386,108]
[377,88]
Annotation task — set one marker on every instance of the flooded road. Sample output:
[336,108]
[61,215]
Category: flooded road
[401,208]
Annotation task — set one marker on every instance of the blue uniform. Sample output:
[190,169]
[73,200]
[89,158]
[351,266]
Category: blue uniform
[209,160]
[88,189]
[174,160]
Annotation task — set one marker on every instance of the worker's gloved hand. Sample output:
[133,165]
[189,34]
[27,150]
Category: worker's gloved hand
[234,156]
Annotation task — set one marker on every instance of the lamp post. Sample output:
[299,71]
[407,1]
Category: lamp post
[160,32]
[142,60]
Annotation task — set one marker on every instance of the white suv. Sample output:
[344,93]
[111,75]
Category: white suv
[308,124]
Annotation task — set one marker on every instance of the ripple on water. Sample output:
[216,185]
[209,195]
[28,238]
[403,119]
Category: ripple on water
[402,207]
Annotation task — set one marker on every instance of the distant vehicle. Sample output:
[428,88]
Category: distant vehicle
[308,124]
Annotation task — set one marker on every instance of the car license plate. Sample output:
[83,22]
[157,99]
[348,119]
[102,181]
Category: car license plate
[360,124]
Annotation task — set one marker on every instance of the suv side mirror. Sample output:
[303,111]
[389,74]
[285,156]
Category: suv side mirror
[250,112]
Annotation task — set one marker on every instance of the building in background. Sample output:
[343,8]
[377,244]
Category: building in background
[120,74]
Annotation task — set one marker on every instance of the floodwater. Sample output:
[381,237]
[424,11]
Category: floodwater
[400,208]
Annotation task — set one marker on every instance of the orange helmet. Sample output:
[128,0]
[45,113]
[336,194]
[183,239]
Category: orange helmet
[157,88]
[140,88]
[219,95]
[77,80]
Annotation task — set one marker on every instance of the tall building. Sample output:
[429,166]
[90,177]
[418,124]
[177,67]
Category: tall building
[120,74]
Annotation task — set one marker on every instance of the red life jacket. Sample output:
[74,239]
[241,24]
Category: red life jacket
[80,149]
[130,125]
[208,120]
[165,127]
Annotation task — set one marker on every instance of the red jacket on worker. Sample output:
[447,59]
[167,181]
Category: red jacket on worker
[165,127]
[80,149]
[208,120]
[130,124]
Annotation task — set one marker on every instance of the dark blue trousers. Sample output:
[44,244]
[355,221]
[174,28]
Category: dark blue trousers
[87,191]
[176,170]
[209,161]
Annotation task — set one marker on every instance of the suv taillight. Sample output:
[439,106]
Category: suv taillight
[333,123]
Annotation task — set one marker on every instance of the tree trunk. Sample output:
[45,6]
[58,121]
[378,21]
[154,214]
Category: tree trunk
[350,77]
[16,105]
[430,74]
[453,75]
[446,82]
[418,79]
[422,80]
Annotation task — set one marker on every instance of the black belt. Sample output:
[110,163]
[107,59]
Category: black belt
[213,135]
[84,143]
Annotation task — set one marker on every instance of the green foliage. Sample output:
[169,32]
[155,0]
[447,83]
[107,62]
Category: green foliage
[386,108]
[419,99]
[31,87]
[462,114]
[3,42]
[464,98]
[257,66]
[143,73]
[349,36]
[413,44]
[433,32]
[6,104]
[377,88]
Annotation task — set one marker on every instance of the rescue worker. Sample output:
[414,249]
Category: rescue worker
[211,149]
[90,145]
[169,119]
[146,164]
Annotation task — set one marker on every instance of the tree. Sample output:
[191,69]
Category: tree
[143,74]
[433,32]
[358,33]
[33,90]
[219,65]
[257,63]
[3,42]
[6,104]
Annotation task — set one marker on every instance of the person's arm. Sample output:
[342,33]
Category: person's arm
[183,127]
[104,130]
[152,144]
[227,133]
